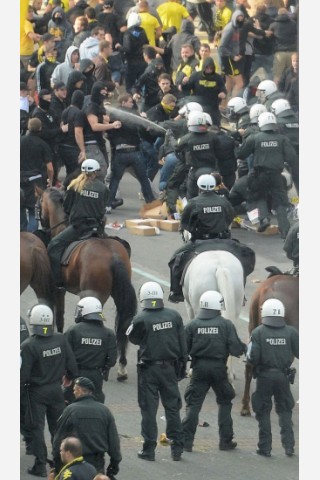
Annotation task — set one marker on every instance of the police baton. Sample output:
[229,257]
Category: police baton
[27,386]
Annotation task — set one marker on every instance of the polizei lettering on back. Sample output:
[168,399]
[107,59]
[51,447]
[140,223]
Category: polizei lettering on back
[208,330]
[50,353]
[91,341]
[203,146]
[271,143]
[161,326]
[212,209]
[86,193]
[276,341]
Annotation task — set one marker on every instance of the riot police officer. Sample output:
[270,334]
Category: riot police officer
[271,351]
[291,244]
[85,202]
[46,357]
[162,358]
[211,338]
[207,216]
[93,344]
[267,92]
[271,151]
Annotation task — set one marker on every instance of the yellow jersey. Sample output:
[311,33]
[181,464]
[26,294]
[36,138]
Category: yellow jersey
[172,14]
[26,43]
[149,23]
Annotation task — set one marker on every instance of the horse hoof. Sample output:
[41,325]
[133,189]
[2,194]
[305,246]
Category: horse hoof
[122,378]
[245,413]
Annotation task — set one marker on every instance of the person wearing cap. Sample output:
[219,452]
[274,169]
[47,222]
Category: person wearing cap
[58,100]
[74,466]
[93,344]
[38,55]
[45,69]
[162,358]
[271,150]
[46,357]
[271,351]
[94,423]
[84,203]
[211,338]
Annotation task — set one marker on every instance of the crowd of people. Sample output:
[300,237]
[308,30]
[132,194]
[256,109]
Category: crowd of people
[113,86]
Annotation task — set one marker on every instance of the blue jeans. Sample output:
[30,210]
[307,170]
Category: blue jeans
[123,160]
[151,159]
[167,169]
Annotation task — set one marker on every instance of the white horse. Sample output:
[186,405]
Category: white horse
[215,270]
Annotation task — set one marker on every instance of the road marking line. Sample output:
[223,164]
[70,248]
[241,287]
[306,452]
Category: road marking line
[166,284]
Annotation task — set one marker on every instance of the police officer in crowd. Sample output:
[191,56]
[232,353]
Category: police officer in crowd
[46,357]
[93,422]
[25,430]
[291,244]
[267,92]
[211,338]
[74,466]
[271,151]
[162,358]
[272,349]
[85,202]
[93,344]
[207,216]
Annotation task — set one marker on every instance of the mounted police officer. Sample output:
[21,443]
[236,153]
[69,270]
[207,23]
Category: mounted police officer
[207,216]
[85,202]
[271,351]
[271,151]
[291,244]
[93,344]
[46,357]
[162,358]
[211,338]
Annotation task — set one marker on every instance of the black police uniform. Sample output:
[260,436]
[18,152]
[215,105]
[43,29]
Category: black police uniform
[44,361]
[25,429]
[162,351]
[206,216]
[291,244]
[271,351]
[95,349]
[94,424]
[211,338]
[271,150]
[289,126]
[86,212]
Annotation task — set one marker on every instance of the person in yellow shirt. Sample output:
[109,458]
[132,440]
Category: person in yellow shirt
[222,16]
[149,23]
[28,39]
[172,13]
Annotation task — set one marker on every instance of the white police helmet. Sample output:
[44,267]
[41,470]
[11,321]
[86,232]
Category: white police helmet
[208,118]
[88,308]
[190,107]
[267,121]
[272,313]
[197,122]
[281,108]
[212,300]
[41,320]
[134,20]
[151,295]
[236,106]
[90,165]
[265,89]
[206,182]
[255,111]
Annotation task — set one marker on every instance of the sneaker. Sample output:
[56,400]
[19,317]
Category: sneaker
[117,202]
[175,297]
[263,453]
[227,445]
[187,448]
[264,224]
[289,451]
[37,472]
[176,457]
[146,456]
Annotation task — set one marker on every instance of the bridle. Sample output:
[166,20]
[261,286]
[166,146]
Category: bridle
[47,228]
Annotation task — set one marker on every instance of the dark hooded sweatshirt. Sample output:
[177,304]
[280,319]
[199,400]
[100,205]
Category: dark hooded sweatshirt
[185,36]
[73,78]
[70,114]
[89,76]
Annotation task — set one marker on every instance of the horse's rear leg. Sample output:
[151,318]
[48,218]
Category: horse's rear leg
[122,344]
[59,308]
[245,410]
[231,374]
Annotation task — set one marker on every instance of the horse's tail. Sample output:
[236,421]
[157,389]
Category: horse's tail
[225,283]
[273,271]
[124,297]
[42,280]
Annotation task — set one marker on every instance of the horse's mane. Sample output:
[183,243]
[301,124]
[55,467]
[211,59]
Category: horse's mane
[55,195]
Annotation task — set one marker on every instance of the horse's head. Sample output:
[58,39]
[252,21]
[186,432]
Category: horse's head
[51,206]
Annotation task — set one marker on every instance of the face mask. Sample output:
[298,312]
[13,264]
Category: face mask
[51,59]
[239,24]
[58,20]
[44,104]
[167,108]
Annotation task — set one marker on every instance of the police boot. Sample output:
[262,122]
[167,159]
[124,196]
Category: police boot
[230,445]
[283,222]
[264,224]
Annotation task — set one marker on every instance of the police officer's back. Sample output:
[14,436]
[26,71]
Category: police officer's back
[211,338]
[162,359]
[271,351]
[93,344]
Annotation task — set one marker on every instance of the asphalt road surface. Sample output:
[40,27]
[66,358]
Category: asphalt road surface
[150,256]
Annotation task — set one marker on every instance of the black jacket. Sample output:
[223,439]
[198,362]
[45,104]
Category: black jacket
[285,33]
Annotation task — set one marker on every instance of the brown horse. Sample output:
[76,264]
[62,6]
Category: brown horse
[98,267]
[35,269]
[278,285]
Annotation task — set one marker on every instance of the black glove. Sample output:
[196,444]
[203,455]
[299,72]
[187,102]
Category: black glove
[113,469]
